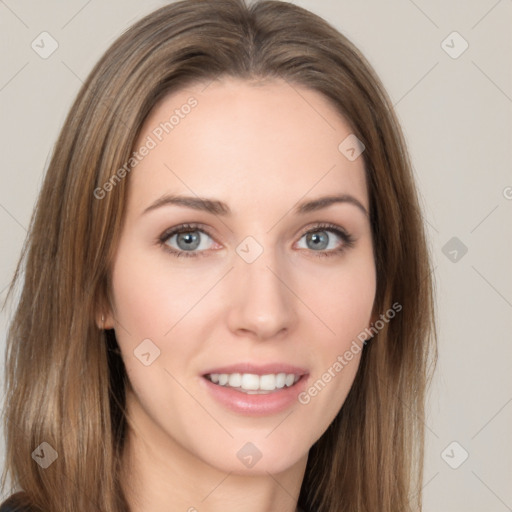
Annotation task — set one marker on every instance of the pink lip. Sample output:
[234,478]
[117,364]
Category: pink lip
[258,369]
[256,405]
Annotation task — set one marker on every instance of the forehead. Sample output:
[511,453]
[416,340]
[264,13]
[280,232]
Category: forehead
[247,144]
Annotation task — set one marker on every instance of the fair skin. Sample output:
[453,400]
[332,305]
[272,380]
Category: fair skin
[259,149]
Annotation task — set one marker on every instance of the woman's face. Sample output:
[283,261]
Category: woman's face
[243,290]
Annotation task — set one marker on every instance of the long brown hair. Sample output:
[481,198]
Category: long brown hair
[65,380]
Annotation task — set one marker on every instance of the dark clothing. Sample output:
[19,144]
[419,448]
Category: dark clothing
[12,504]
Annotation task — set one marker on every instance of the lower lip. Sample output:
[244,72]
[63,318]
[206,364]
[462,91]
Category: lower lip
[256,405]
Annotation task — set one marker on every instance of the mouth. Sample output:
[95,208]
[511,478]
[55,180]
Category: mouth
[253,390]
[254,384]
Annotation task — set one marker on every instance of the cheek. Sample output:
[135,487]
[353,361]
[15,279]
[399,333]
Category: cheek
[149,300]
[149,304]
[345,306]
[342,297]
[159,303]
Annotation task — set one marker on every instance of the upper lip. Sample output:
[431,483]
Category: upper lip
[263,369]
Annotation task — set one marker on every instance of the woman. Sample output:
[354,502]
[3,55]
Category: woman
[227,301]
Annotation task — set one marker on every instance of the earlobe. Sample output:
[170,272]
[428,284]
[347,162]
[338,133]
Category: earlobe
[103,312]
[104,322]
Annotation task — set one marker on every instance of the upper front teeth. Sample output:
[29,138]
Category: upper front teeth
[250,381]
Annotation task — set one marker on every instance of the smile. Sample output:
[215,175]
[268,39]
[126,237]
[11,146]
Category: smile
[255,390]
[254,384]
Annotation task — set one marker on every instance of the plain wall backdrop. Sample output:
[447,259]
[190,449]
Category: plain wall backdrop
[447,67]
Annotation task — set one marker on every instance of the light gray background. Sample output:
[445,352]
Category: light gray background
[456,114]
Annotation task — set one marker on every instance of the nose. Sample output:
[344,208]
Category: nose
[262,304]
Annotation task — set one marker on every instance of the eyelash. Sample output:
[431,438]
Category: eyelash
[348,240]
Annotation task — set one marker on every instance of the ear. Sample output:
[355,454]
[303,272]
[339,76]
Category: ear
[104,321]
[104,317]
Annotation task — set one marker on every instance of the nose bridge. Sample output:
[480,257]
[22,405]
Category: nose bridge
[262,303]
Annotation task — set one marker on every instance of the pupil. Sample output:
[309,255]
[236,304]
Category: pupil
[191,241]
[319,239]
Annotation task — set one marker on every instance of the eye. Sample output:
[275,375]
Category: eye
[185,240]
[327,240]
[190,240]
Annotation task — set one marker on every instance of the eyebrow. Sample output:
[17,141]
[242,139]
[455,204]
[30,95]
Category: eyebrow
[220,208]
